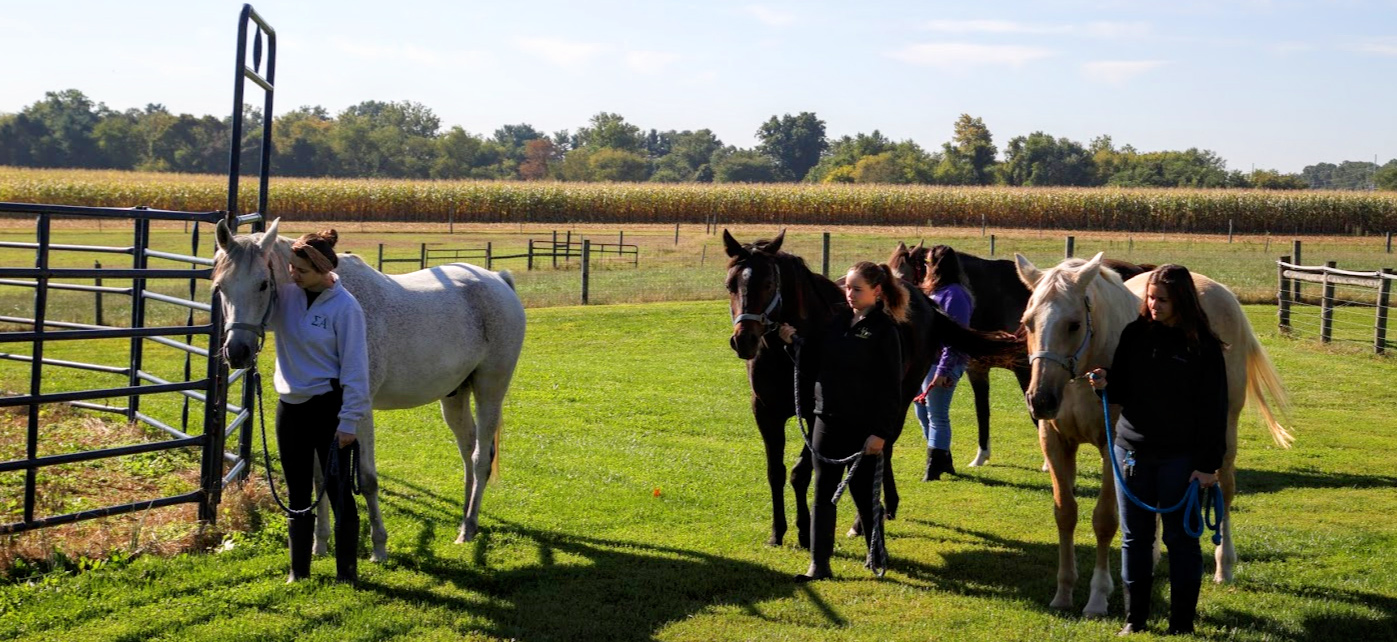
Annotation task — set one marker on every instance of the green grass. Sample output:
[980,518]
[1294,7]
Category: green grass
[611,403]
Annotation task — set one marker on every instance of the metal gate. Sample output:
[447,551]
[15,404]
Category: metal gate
[214,428]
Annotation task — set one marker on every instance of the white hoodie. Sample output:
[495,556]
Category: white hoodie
[317,344]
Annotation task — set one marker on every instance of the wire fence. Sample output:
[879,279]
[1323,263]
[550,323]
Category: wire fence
[1344,306]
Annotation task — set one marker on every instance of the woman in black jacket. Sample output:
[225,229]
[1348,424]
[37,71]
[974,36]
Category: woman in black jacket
[1170,381]
[857,361]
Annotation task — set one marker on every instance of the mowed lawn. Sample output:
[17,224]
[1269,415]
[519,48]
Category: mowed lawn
[633,506]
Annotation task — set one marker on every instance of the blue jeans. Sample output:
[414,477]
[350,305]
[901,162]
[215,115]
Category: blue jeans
[1159,482]
[935,416]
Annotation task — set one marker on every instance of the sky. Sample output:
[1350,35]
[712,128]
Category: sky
[1264,84]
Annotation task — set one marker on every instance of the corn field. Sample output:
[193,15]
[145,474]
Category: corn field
[1102,209]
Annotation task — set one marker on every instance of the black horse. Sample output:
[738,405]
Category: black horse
[768,287]
[1000,298]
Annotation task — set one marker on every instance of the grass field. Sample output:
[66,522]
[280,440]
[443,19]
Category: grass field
[633,506]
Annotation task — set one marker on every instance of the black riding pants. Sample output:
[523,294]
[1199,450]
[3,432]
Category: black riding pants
[836,440]
[304,432]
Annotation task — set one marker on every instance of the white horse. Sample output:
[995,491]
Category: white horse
[443,334]
[1074,320]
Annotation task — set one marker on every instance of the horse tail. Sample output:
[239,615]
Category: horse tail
[508,279]
[999,348]
[1263,381]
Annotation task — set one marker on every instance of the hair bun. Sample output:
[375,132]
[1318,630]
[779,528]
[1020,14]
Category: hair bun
[330,236]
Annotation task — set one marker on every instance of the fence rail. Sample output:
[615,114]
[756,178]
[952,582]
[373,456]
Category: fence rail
[1331,278]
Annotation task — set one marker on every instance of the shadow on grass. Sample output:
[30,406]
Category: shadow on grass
[580,587]
[1330,625]
[1271,481]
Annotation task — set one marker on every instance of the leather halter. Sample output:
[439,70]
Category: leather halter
[765,318]
[1070,363]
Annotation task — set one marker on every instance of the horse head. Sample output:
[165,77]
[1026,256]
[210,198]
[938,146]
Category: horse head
[754,291]
[1063,320]
[247,270]
[909,264]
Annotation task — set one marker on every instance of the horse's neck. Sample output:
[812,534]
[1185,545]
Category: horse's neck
[1113,307]
[815,297]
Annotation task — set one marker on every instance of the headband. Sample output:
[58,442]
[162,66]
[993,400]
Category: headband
[317,259]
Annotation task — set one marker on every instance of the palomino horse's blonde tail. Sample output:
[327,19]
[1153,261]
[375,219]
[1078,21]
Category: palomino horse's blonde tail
[1263,378]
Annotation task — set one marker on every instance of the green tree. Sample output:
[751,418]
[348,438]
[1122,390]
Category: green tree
[1038,160]
[63,122]
[794,143]
[1273,179]
[617,165]
[612,131]
[302,140]
[119,139]
[744,166]
[969,158]
[1386,176]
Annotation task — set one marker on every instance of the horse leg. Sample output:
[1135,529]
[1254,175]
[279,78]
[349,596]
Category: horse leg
[800,485]
[1062,464]
[773,431]
[1104,521]
[1225,557]
[368,485]
[489,410]
[979,377]
[322,513]
[456,410]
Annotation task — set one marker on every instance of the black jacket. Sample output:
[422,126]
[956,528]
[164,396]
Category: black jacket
[1173,396]
[857,371]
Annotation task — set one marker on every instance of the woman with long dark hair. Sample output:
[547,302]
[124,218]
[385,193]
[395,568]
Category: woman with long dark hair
[322,378]
[944,285]
[1170,381]
[857,361]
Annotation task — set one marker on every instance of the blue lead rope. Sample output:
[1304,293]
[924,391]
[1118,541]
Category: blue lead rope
[1195,520]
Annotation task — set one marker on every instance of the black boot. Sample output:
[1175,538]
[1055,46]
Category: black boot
[1183,606]
[1137,608]
[944,461]
[301,532]
[933,472]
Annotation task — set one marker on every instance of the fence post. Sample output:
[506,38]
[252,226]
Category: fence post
[621,237]
[98,265]
[1380,331]
[984,224]
[1326,315]
[1229,230]
[211,459]
[586,267]
[531,256]
[423,261]
[567,249]
[451,221]
[138,315]
[1071,246]
[1283,297]
[676,234]
[555,249]
[991,245]
[489,255]
[1295,285]
[824,261]
[1389,242]
[380,257]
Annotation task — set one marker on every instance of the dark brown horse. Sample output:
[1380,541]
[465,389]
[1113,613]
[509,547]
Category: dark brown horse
[1000,299]
[768,287]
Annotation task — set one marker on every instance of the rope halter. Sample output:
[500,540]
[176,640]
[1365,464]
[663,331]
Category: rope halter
[1069,363]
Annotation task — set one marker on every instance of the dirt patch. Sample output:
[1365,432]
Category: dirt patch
[80,486]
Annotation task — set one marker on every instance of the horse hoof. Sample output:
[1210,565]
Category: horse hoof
[1061,603]
[854,531]
[468,531]
[379,556]
[773,541]
[803,539]
[980,459]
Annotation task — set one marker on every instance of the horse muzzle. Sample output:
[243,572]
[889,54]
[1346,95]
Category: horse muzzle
[1043,404]
[745,341]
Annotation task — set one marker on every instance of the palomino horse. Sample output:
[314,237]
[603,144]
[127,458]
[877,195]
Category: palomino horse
[1000,298]
[1074,321]
[447,334]
[769,287]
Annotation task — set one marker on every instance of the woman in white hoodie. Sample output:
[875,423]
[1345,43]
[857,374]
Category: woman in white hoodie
[322,377]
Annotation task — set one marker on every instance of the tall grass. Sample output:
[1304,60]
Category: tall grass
[1138,210]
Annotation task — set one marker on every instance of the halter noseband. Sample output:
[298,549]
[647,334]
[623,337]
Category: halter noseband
[260,329]
[1070,363]
[765,317]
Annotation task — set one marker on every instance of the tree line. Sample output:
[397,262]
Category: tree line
[375,139]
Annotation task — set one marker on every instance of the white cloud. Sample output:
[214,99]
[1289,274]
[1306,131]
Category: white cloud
[649,62]
[770,16]
[1119,71]
[953,56]
[564,53]
[411,54]
[1103,30]
[1379,48]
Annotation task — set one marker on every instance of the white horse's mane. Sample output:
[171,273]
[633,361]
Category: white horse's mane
[1061,279]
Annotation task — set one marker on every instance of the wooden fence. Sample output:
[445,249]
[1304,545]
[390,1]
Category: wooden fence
[1331,278]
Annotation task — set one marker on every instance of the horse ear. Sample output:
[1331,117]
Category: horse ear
[733,248]
[1028,272]
[1089,271]
[901,248]
[775,245]
[269,237]
[920,244]
[223,236]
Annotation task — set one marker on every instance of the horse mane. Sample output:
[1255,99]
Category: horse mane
[1061,278]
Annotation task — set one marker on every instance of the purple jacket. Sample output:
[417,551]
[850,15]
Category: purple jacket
[957,304]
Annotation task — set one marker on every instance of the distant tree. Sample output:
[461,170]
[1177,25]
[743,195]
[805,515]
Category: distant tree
[744,166]
[1272,179]
[303,142]
[57,131]
[119,139]
[1039,159]
[1386,176]
[658,143]
[616,165]
[794,143]
[688,152]
[610,130]
[1354,175]
[540,154]
[845,152]
[969,158]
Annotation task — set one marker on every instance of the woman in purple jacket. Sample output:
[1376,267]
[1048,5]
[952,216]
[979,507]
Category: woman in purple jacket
[943,284]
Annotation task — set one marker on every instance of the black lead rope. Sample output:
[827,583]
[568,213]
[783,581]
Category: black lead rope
[332,467]
[877,560]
